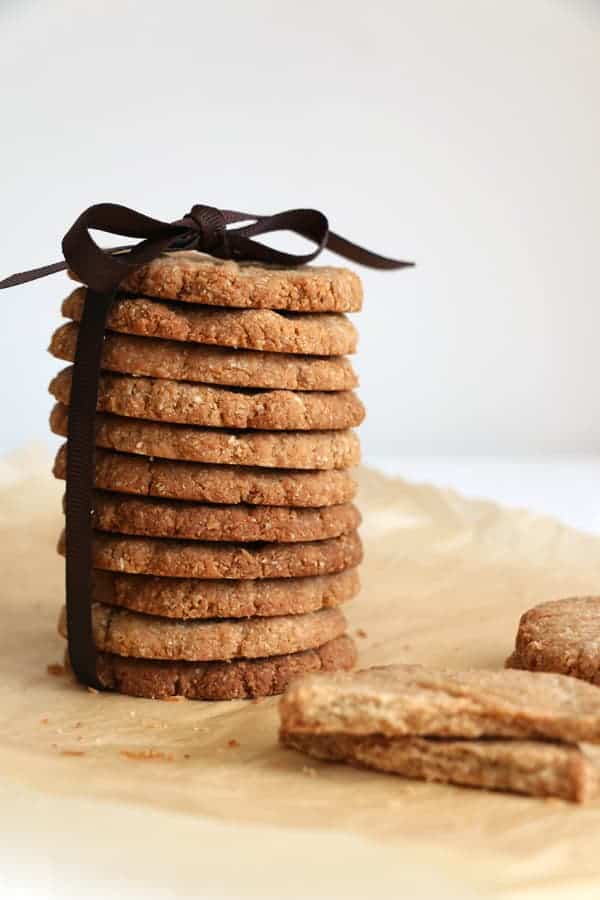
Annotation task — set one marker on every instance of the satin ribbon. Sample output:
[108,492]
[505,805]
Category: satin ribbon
[204,228]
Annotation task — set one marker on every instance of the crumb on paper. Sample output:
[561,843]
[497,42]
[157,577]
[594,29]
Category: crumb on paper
[72,752]
[92,690]
[258,699]
[44,721]
[361,633]
[176,698]
[308,770]
[55,669]
[186,756]
[233,743]
[77,724]
[147,753]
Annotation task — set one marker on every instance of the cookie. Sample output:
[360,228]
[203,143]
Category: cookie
[213,483]
[181,402]
[236,680]
[192,277]
[212,365]
[538,768]
[126,633]
[560,636]
[192,559]
[181,519]
[190,598]
[323,450]
[421,701]
[323,334]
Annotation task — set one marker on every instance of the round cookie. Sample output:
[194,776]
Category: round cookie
[181,402]
[192,559]
[156,358]
[236,680]
[560,636]
[324,450]
[189,598]
[126,633]
[193,277]
[323,334]
[180,519]
[214,483]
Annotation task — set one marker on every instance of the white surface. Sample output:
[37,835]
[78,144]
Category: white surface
[567,489]
[460,133]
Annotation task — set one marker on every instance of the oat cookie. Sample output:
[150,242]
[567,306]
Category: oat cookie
[191,598]
[126,633]
[560,636]
[193,277]
[197,404]
[213,483]
[236,680]
[212,365]
[324,450]
[323,334]
[181,519]
[537,768]
[194,559]
[420,701]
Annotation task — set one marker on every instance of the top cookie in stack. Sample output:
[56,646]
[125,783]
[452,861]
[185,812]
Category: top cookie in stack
[225,537]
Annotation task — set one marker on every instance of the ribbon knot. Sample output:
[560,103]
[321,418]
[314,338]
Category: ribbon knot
[207,232]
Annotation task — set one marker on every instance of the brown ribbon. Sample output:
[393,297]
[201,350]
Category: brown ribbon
[204,228]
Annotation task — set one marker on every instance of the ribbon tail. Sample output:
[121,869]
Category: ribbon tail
[338,244]
[32,274]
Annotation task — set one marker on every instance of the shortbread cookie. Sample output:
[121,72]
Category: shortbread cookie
[181,519]
[323,450]
[193,559]
[192,277]
[323,334]
[212,365]
[213,483]
[560,636]
[128,633]
[181,402]
[236,680]
[190,598]
[538,768]
[416,700]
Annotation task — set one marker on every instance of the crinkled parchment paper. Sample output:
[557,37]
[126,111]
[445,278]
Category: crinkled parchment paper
[445,580]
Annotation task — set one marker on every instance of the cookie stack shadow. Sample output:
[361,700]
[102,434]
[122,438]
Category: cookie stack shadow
[225,538]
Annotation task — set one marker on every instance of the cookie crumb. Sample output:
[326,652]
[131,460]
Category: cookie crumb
[147,754]
[92,690]
[55,669]
[72,752]
[44,721]
[233,743]
[176,698]
[186,756]
[308,770]
[361,633]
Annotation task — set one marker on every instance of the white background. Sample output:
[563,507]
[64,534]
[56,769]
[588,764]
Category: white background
[464,134]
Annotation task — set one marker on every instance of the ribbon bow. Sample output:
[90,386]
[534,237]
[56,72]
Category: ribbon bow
[204,228]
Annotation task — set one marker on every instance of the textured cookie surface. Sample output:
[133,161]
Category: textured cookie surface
[561,636]
[190,598]
[324,334]
[213,365]
[295,449]
[192,277]
[417,700]
[215,484]
[193,559]
[182,402]
[538,768]
[128,633]
[207,522]
[236,680]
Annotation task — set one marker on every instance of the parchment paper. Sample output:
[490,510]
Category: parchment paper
[445,580]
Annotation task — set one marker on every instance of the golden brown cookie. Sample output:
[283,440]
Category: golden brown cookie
[126,633]
[537,768]
[411,700]
[191,598]
[560,636]
[192,277]
[324,450]
[213,483]
[236,680]
[241,522]
[156,358]
[193,559]
[181,402]
[323,334]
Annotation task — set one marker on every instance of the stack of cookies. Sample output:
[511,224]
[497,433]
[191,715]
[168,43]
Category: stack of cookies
[225,534]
